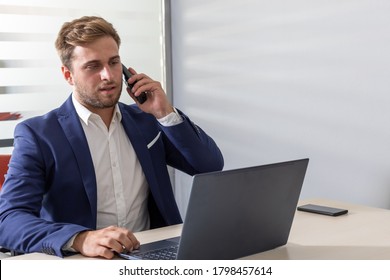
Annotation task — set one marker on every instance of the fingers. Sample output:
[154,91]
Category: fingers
[120,239]
[139,81]
[132,71]
[143,83]
[134,242]
[157,102]
[124,239]
[105,242]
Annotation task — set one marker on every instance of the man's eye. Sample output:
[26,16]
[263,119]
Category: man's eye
[91,67]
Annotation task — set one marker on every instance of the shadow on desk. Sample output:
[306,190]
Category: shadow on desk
[298,252]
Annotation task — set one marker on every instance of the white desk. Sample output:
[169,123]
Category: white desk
[364,233]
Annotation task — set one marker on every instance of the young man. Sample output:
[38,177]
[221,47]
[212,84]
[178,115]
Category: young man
[88,174]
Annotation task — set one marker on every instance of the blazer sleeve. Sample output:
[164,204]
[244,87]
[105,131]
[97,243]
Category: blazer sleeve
[21,228]
[190,149]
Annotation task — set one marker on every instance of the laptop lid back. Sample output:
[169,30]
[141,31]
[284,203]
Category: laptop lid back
[236,213]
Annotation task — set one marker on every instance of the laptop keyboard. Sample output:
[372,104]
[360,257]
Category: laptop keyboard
[168,253]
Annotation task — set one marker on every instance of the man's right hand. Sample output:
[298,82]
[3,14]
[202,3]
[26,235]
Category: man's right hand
[104,242]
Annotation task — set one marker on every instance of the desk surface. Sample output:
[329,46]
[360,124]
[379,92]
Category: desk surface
[364,233]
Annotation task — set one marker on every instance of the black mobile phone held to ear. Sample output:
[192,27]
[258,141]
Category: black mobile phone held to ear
[324,210]
[126,73]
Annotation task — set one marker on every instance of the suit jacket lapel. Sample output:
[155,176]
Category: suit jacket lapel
[70,123]
[166,212]
[140,147]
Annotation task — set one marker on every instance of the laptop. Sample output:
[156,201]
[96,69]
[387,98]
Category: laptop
[234,213]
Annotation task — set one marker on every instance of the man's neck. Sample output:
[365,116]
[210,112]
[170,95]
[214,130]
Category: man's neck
[105,114]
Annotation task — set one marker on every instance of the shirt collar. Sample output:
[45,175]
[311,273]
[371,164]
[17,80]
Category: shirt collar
[85,114]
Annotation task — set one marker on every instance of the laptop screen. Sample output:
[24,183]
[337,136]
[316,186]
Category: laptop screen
[236,213]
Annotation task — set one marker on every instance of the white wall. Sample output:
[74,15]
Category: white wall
[280,80]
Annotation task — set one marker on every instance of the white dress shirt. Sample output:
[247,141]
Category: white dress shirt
[122,189]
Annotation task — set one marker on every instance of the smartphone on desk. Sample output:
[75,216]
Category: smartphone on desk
[323,210]
[126,75]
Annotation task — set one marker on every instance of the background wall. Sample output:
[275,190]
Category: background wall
[31,82]
[269,80]
[280,80]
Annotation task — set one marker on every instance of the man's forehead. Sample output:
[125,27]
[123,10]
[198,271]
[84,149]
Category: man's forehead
[103,49]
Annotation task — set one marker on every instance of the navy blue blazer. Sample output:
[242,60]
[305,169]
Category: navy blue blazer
[50,190]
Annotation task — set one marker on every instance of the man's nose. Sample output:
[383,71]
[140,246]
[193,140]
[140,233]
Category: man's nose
[106,73]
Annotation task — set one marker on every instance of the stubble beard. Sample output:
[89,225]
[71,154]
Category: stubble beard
[95,100]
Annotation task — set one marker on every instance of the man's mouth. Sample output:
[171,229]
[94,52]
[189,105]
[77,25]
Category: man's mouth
[107,89]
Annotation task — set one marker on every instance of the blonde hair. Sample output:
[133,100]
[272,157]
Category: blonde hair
[80,32]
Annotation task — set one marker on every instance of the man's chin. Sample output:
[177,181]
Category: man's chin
[103,104]
[109,101]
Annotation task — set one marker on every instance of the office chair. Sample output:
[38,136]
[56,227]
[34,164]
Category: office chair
[4,160]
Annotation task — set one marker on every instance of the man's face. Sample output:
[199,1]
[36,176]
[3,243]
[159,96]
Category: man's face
[96,74]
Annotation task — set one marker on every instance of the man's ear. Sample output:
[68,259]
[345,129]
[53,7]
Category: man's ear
[67,75]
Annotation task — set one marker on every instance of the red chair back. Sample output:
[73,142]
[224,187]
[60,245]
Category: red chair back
[4,160]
